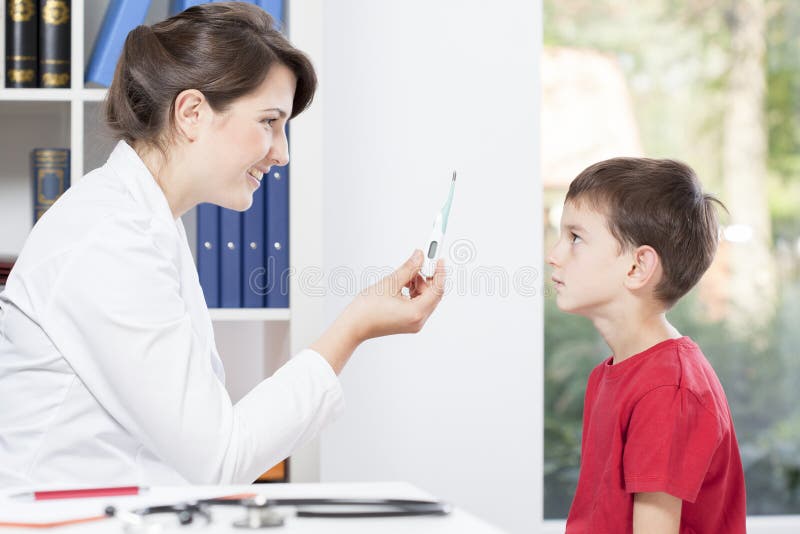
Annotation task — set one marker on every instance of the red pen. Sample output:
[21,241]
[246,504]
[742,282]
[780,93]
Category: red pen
[81,493]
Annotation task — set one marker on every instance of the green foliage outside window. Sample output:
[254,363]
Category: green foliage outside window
[679,58]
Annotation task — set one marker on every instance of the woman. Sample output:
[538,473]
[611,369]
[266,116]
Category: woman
[108,368]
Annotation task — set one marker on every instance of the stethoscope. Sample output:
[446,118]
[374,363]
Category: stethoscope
[261,512]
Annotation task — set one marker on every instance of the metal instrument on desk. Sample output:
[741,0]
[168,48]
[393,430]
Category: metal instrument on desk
[261,512]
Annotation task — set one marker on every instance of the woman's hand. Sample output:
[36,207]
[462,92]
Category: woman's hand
[384,309]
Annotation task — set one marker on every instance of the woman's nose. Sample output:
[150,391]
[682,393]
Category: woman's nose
[278,154]
[279,158]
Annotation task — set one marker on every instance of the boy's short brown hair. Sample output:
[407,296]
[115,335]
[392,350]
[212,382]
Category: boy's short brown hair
[660,203]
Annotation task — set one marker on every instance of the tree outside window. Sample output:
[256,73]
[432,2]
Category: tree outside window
[715,84]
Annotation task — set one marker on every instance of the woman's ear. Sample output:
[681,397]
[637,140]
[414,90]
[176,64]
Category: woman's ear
[190,109]
[645,266]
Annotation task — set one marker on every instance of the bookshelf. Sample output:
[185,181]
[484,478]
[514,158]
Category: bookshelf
[73,118]
[250,314]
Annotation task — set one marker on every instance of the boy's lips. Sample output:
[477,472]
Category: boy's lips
[557,281]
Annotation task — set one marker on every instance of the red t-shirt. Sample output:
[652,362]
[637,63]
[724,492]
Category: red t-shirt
[658,422]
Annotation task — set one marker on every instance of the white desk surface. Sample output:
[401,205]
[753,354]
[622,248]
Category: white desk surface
[458,522]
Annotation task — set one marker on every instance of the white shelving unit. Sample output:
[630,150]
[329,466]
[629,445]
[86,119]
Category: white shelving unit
[250,314]
[72,118]
[88,141]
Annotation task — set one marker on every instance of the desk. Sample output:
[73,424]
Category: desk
[458,522]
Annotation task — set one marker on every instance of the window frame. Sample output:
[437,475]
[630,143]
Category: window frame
[756,524]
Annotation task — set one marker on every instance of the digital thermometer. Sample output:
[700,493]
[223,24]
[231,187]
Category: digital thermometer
[435,245]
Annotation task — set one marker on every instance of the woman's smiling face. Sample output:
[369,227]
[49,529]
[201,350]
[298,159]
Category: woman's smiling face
[240,144]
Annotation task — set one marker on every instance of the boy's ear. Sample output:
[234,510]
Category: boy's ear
[645,266]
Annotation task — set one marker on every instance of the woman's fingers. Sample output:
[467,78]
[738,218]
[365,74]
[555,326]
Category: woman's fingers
[400,303]
[428,295]
[405,273]
[434,289]
[417,286]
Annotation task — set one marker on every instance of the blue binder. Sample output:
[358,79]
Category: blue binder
[230,258]
[254,273]
[244,272]
[208,252]
[277,182]
[274,8]
[121,17]
[176,6]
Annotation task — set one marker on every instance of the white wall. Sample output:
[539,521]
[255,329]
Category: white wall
[413,90]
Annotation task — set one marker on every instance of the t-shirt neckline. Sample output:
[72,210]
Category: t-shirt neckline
[614,370]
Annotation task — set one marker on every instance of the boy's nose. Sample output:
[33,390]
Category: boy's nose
[551,259]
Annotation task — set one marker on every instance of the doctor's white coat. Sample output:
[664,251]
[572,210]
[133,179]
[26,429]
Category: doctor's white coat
[108,368]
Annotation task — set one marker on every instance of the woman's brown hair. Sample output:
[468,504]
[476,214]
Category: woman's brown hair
[224,50]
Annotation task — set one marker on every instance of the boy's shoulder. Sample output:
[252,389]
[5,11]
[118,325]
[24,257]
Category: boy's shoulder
[677,363]
[682,364]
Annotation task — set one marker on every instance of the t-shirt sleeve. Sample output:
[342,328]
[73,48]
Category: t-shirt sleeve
[670,442]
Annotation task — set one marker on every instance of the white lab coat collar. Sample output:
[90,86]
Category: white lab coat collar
[127,164]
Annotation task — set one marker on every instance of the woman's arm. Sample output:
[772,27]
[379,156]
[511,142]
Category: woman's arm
[383,310]
[656,513]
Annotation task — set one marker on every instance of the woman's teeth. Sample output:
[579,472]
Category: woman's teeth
[255,173]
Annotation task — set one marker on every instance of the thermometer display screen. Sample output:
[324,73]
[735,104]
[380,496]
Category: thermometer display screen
[432,249]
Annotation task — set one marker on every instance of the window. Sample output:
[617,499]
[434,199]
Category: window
[715,84]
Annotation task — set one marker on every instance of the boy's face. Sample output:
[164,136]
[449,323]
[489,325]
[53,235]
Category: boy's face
[589,268]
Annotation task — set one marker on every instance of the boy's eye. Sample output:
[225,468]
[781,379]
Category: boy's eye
[574,238]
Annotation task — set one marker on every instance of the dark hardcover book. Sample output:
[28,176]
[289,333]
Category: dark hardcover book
[54,43]
[22,43]
[6,264]
[50,177]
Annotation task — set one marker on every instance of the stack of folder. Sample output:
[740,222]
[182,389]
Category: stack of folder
[243,258]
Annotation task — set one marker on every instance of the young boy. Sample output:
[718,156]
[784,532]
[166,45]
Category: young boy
[659,451]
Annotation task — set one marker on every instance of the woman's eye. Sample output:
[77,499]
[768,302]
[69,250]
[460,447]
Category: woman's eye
[268,122]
